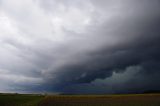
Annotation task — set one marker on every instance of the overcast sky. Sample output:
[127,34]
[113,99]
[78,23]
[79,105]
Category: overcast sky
[79,46]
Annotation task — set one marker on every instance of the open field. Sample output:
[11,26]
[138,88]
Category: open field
[19,100]
[80,100]
[102,100]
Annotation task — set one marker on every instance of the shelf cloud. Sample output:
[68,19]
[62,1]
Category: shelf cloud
[80,46]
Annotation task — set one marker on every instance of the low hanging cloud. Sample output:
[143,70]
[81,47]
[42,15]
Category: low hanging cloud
[79,46]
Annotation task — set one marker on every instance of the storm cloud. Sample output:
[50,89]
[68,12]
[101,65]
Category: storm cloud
[79,46]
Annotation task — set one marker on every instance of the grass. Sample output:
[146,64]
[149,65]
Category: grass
[80,100]
[19,100]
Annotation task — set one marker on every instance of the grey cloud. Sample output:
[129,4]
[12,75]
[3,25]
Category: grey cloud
[67,45]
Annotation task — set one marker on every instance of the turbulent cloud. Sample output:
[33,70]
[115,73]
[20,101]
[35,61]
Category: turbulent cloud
[81,46]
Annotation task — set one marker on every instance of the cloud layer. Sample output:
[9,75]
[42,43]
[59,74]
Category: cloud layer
[80,46]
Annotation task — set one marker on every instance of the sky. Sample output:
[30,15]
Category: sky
[79,46]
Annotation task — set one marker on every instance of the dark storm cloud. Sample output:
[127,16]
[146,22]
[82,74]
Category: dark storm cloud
[139,47]
[137,33]
[80,47]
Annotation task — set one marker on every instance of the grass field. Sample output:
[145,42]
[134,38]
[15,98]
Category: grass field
[80,100]
[19,100]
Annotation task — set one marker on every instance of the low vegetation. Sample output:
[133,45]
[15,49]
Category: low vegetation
[20,99]
[80,100]
[102,100]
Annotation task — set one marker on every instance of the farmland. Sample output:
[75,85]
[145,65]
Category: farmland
[20,99]
[102,100]
[80,100]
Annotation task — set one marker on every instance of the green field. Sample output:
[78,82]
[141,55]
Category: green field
[80,100]
[19,100]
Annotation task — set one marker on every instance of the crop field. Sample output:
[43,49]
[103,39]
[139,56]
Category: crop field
[80,100]
[102,100]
